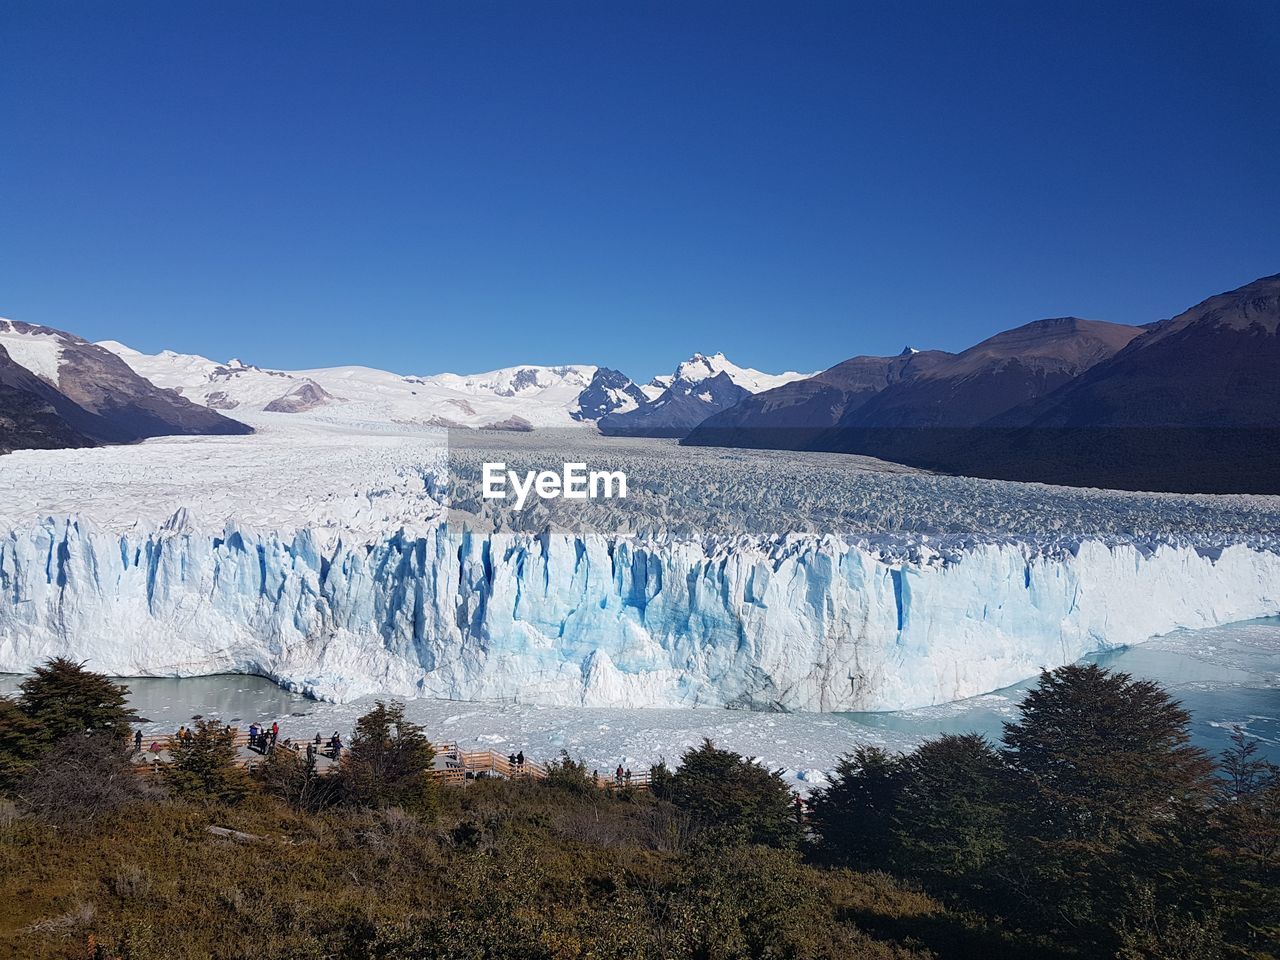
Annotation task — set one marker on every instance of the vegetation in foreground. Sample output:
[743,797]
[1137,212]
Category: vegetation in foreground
[1092,830]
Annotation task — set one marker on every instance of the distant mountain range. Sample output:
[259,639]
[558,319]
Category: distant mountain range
[929,388]
[700,387]
[1186,404]
[514,398]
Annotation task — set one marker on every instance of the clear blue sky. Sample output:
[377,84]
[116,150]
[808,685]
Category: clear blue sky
[428,186]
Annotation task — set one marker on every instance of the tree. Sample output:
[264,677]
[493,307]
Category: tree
[735,796]
[854,814]
[389,762]
[947,827]
[1245,856]
[62,697]
[203,765]
[19,743]
[660,779]
[1105,786]
[1099,755]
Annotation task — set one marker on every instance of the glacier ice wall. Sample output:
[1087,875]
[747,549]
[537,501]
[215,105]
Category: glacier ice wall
[804,623]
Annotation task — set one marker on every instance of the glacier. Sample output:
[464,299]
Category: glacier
[797,623]
[351,559]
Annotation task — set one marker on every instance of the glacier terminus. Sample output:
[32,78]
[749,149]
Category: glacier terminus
[323,555]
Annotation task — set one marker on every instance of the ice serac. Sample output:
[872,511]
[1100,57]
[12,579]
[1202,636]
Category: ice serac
[800,623]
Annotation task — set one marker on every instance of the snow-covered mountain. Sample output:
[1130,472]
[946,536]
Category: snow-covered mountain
[514,398]
[610,391]
[700,387]
[700,367]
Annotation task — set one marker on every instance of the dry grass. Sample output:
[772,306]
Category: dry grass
[570,877]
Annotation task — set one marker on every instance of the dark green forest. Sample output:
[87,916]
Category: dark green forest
[1093,828]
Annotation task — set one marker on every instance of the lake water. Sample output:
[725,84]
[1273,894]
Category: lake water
[1226,676]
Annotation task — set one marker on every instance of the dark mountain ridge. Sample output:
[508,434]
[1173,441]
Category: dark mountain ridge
[97,397]
[1188,404]
[680,408]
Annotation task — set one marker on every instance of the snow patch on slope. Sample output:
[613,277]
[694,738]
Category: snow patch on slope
[39,350]
[700,367]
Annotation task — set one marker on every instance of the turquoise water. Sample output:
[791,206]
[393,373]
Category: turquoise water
[1225,677]
[165,703]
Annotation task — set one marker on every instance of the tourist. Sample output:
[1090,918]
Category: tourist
[275,732]
[253,736]
[137,741]
[520,760]
[617,775]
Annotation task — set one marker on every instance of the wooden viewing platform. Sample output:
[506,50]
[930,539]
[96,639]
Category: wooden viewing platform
[453,765]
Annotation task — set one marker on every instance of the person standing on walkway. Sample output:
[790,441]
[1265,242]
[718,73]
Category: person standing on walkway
[275,732]
[520,761]
[137,741]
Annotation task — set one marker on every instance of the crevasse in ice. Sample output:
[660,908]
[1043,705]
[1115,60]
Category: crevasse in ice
[809,623]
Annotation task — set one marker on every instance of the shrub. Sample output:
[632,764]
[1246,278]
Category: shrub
[570,775]
[734,797]
[285,775]
[81,778]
